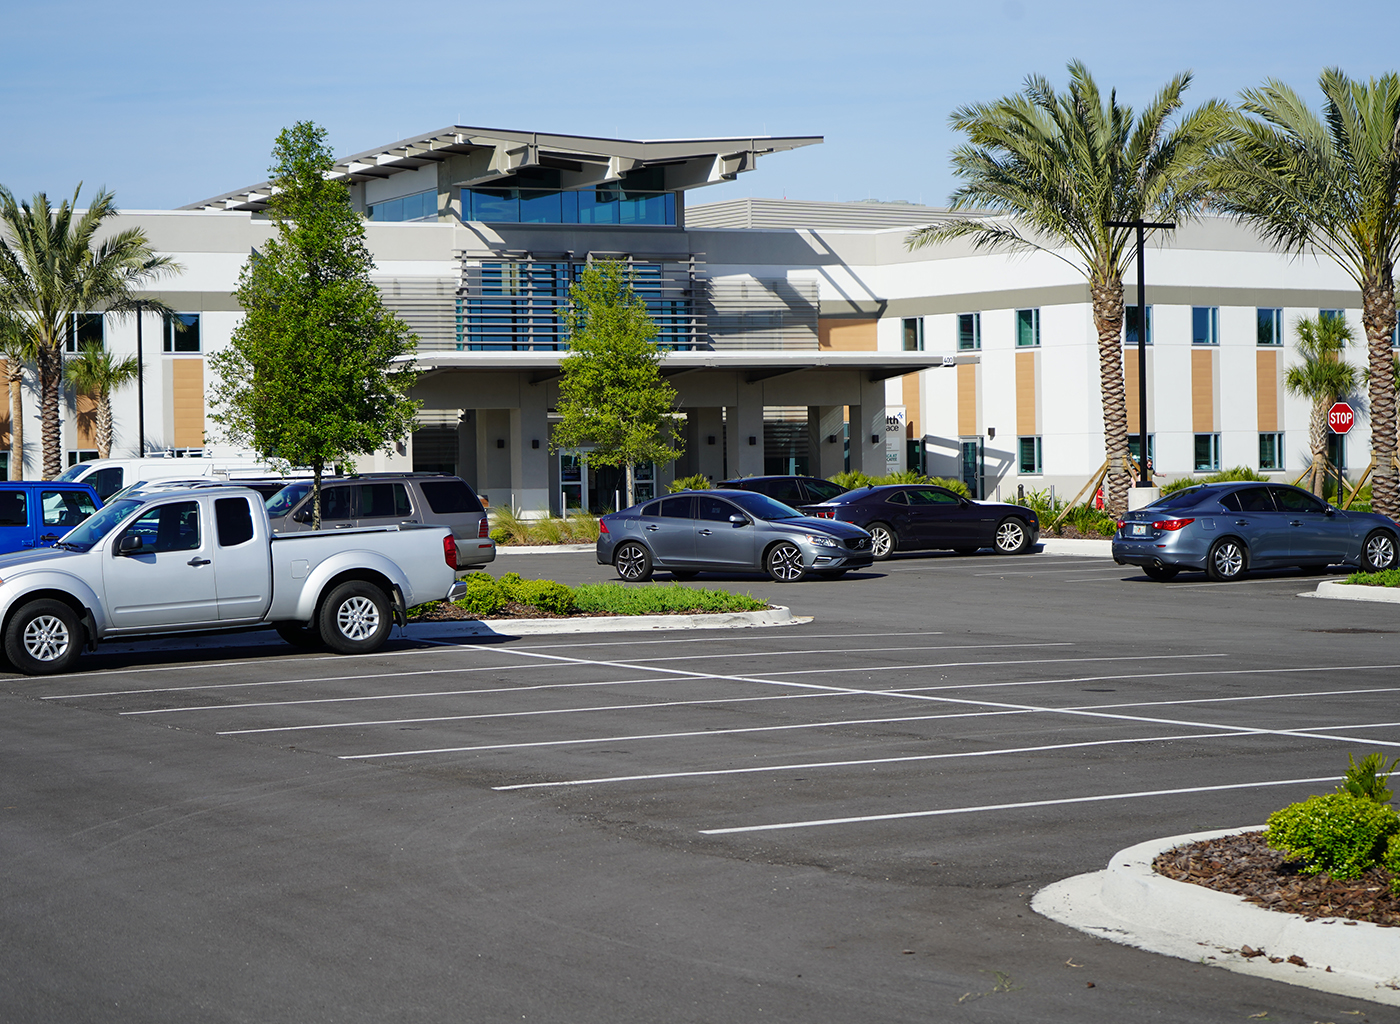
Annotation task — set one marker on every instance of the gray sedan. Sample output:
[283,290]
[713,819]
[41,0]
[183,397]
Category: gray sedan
[1227,529]
[728,531]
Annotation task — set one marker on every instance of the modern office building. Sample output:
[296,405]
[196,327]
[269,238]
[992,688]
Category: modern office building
[801,337]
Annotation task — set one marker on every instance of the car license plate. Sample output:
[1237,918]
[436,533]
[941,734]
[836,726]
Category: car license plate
[1139,530]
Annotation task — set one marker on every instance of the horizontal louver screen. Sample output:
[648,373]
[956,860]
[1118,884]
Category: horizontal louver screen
[746,312]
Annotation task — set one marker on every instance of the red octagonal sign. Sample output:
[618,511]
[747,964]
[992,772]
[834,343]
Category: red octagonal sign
[1340,418]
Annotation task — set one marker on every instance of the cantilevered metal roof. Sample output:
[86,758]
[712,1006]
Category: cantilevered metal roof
[496,156]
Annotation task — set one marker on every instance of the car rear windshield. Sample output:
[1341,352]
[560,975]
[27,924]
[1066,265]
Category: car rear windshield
[98,525]
[446,497]
[824,490]
[760,506]
[1184,498]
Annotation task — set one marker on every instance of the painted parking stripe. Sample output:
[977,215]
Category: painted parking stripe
[985,808]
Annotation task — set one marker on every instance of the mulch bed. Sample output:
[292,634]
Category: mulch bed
[1069,530]
[1244,865]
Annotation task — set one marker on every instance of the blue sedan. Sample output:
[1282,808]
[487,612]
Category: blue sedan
[1227,529]
[727,531]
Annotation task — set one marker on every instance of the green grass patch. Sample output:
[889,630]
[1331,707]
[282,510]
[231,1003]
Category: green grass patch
[660,599]
[1385,578]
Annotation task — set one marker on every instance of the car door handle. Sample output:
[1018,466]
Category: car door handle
[409,522]
[653,527]
[49,537]
[344,526]
[1241,522]
[1295,523]
[704,533]
[197,561]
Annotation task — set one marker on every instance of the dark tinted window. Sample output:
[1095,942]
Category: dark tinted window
[66,508]
[763,507]
[13,509]
[1250,499]
[786,491]
[172,527]
[286,499]
[715,510]
[384,501]
[106,482]
[654,509]
[822,490]
[335,504]
[931,496]
[1184,498]
[676,508]
[1291,499]
[446,497]
[234,519]
[897,498]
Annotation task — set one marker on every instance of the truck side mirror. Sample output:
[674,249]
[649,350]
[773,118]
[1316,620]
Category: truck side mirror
[129,544]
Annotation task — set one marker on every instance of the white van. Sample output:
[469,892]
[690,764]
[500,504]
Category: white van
[108,476]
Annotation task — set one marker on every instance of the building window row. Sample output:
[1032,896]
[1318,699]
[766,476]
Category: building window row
[552,206]
[419,206]
[181,331]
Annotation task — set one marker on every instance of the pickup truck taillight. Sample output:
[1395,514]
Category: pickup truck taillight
[483,530]
[449,552]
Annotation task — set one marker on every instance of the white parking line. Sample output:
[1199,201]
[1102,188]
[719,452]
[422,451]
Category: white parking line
[984,808]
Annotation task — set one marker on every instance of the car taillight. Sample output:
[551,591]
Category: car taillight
[483,530]
[1122,523]
[449,552]
[1171,524]
[826,513]
[602,526]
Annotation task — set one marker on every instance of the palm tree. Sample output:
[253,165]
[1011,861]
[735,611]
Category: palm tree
[1059,169]
[1323,378]
[51,267]
[17,353]
[98,373]
[1330,184]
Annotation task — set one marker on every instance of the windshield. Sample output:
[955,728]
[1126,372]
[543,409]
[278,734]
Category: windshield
[760,506]
[1184,498]
[282,503]
[72,472]
[97,526]
[825,490]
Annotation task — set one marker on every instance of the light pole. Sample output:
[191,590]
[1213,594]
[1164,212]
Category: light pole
[140,384]
[1144,479]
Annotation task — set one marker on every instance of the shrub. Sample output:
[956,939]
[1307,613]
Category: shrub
[1234,474]
[514,527]
[1367,779]
[501,535]
[1384,578]
[851,479]
[659,599]
[904,476]
[484,595]
[956,486]
[697,482]
[1391,862]
[1087,519]
[546,595]
[1338,833]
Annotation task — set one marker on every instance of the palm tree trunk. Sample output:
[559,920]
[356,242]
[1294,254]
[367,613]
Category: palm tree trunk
[1317,442]
[104,425]
[1108,321]
[50,360]
[1378,317]
[16,375]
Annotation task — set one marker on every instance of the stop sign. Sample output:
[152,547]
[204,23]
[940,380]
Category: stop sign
[1340,418]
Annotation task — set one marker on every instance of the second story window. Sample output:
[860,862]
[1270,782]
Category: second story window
[182,332]
[914,334]
[969,332]
[1028,328]
[419,206]
[1130,326]
[84,330]
[1205,325]
[1270,323]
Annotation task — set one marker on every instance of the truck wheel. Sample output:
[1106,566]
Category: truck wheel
[299,636]
[43,637]
[355,619]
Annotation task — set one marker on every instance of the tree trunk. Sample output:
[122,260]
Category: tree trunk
[1378,317]
[631,487]
[1108,321]
[16,375]
[316,468]
[104,425]
[1317,443]
[50,360]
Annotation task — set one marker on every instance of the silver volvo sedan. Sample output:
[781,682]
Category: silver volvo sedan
[728,531]
[1227,529]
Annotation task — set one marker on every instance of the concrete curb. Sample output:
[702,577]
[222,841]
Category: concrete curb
[1338,591]
[778,616]
[543,549]
[1130,903]
[1076,546]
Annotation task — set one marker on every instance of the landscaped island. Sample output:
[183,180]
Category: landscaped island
[514,597]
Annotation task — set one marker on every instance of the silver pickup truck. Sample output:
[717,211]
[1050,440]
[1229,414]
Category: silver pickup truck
[203,559]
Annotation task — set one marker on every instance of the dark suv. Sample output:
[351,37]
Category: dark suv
[390,499]
[790,490]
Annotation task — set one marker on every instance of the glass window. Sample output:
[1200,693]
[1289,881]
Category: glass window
[610,204]
[823,490]
[233,519]
[1207,453]
[1205,325]
[1030,454]
[84,330]
[77,456]
[715,510]
[14,509]
[172,527]
[66,508]
[1270,326]
[763,507]
[931,496]
[446,497]
[969,332]
[1292,499]
[914,334]
[384,501]
[1130,325]
[182,332]
[335,504]
[281,503]
[897,498]
[419,206]
[1331,314]
[1250,499]
[1135,447]
[1027,328]
[676,508]
[1271,451]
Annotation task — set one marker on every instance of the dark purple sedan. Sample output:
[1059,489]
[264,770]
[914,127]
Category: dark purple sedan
[902,517]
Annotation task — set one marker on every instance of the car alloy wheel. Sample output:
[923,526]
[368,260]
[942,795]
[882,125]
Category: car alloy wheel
[633,563]
[882,541]
[43,637]
[1225,561]
[355,618]
[785,563]
[1011,538]
[1378,553]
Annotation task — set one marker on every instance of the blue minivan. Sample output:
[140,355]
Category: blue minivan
[35,513]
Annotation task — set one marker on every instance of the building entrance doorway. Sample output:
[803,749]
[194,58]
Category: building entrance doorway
[600,489]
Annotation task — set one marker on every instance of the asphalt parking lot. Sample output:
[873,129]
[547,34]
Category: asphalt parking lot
[837,821]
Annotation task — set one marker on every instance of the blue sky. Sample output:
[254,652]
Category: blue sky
[167,103]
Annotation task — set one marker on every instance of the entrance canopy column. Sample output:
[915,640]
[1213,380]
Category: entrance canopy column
[825,453]
[529,451]
[867,422]
[744,431]
[705,441]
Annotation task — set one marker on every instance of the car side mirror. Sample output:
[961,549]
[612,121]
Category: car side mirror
[129,545]
[738,520]
[304,516]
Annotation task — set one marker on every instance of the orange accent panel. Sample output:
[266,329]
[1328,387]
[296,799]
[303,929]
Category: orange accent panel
[1130,387]
[187,376]
[913,422]
[1202,392]
[967,400]
[5,397]
[85,422]
[1266,372]
[1025,394]
[846,335]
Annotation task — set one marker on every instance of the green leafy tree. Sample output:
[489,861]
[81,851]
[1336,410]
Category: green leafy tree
[315,372]
[1330,184]
[52,266]
[1322,377]
[1058,168]
[98,374]
[612,395]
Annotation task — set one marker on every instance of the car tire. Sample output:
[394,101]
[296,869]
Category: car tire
[784,563]
[1161,573]
[1012,537]
[883,541]
[1378,551]
[633,563]
[684,574]
[1226,561]
[355,618]
[43,637]
[306,637]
